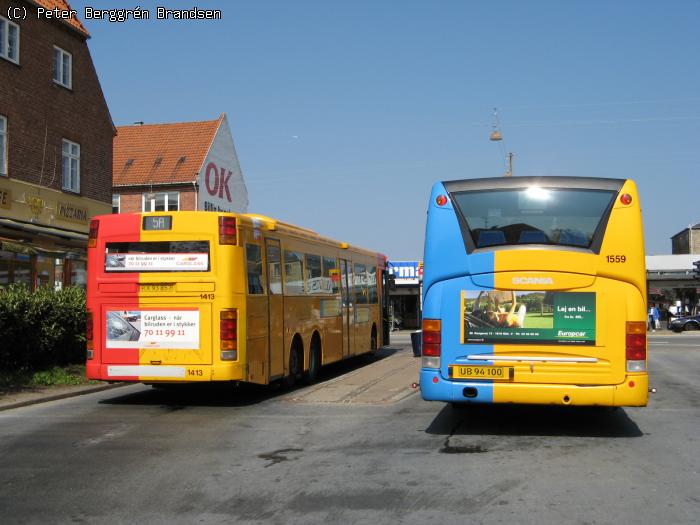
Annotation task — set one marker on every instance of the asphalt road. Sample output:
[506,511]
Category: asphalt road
[349,452]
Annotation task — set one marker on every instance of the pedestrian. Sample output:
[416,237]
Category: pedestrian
[653,317]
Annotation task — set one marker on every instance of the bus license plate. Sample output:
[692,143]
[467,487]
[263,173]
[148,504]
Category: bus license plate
[157,287]
[497,373]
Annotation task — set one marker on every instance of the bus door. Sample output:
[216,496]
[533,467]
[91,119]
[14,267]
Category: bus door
[275,308]
[348,313]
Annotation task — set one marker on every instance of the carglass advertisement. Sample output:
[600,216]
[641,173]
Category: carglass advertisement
[156,262]
[152,329]
[535,317]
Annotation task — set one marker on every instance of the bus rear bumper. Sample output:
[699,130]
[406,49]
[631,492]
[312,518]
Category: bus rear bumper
[632,392]
[135,373]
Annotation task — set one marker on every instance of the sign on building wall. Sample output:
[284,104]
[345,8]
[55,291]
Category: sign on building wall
[28,202]
[221,184]
[406,272]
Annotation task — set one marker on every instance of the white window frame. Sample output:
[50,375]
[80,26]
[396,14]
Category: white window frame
[3,145]
[148,205]
[72,157]
[119,202]
[59,73]
[5,40]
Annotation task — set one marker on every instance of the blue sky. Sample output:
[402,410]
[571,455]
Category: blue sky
[345,113]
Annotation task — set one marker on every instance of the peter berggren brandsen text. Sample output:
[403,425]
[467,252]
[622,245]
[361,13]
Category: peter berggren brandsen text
[161,13]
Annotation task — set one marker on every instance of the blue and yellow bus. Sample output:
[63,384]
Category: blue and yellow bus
[534,291]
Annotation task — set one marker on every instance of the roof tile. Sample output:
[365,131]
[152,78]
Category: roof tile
[161,153]
[63,5]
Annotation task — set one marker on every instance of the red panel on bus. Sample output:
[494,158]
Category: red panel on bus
[120,228]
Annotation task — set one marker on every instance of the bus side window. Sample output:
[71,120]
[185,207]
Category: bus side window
[293,273]
[360,282]
[274,266]
[254,269]
[372,285]
[313,274]
[331,275]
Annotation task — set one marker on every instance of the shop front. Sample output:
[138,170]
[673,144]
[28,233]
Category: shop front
[672,286]
[405,298]
[43,235]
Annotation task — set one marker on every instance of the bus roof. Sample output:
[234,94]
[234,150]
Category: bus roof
[490,183]
[270,224]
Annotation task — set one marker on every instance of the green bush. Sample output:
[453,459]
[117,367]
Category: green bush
[41,329]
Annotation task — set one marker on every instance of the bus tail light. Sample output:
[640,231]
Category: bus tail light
[228,334]
[227,230]
[432,343]
[92,236]
[636,346]
[89,335]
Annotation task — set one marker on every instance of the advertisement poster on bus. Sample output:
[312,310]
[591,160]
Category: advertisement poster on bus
[152,329]
[156,262]
[522,317]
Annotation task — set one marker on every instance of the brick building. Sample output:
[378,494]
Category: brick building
[55,146]
[177,166]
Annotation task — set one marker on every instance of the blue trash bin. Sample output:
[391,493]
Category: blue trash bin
[416,342]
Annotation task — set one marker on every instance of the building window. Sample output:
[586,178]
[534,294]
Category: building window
[71,166]
[116,201]
[162,201]
[9,40]
[3,145]
[62,67]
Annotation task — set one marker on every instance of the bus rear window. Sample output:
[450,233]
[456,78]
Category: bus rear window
[160,256]
[568,217]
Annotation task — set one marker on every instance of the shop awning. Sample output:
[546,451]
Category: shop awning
[17,247]
[43,230]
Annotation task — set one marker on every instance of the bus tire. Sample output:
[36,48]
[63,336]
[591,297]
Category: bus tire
[314,360]
[296,362]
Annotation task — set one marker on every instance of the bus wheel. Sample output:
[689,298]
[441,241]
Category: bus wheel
[296,364]
[314,360]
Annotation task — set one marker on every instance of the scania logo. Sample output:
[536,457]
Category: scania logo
[533,280]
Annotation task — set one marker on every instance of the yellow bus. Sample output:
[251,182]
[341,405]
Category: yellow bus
[534,291]
[203,296]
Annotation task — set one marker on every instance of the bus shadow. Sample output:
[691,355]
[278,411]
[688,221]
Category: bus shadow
[534,420]
[175,397]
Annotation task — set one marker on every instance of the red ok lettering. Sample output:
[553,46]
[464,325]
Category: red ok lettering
[219,185]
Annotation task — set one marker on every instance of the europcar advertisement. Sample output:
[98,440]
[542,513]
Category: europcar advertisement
[152,329]
[524,317]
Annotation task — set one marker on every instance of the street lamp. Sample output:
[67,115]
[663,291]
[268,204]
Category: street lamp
[497,136]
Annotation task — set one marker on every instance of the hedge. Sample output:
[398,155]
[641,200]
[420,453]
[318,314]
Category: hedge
[41,329]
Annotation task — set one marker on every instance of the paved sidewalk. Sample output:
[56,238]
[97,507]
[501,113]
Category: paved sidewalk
[383,382]
[49,393]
